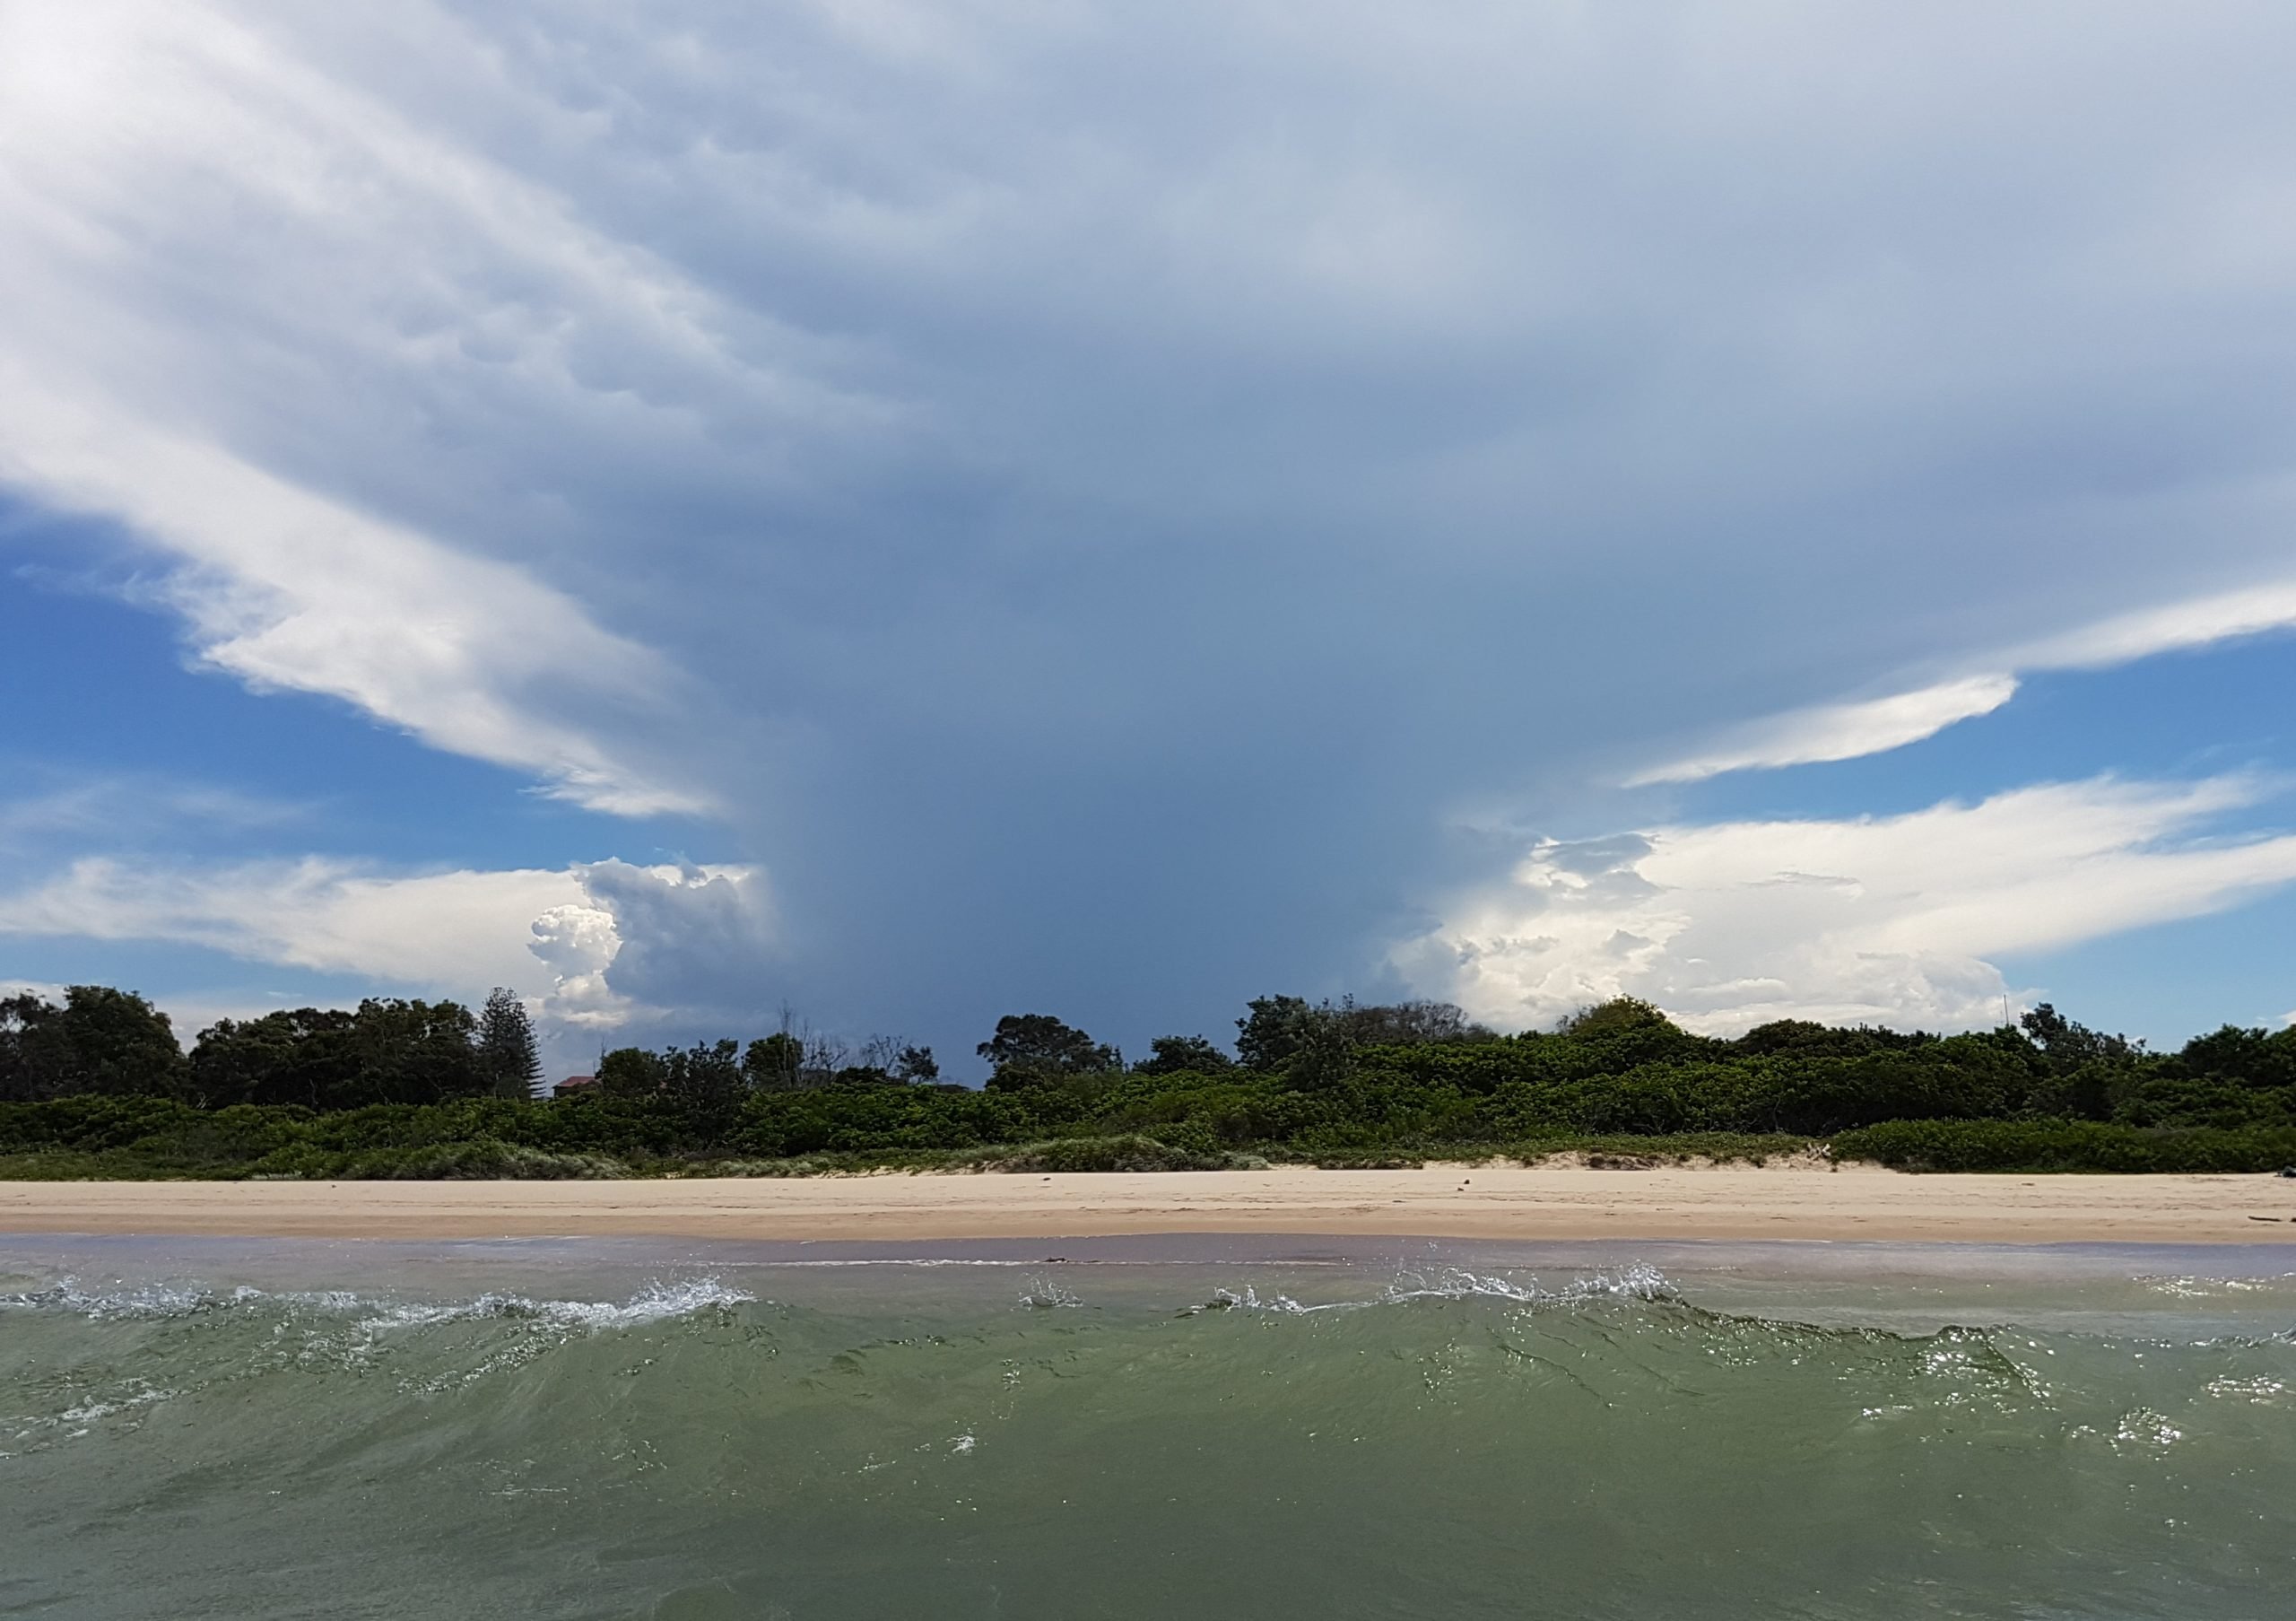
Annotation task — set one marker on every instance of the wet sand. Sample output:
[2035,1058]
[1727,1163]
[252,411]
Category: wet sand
[1480,1202]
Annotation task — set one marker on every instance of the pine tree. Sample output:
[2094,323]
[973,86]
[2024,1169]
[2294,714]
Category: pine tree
[505,1046]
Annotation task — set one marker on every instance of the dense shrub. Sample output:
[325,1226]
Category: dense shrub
[1111,1154]
[2046,1145]
[1328,1085]
[478,1160]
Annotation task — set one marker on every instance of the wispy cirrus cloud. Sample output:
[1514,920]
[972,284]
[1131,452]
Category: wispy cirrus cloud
[1828,732]
[128,806]
[219,449]
[2194,621]
[1839,731]
[284,588]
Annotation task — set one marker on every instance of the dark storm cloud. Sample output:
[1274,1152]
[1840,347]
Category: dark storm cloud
[1116,485]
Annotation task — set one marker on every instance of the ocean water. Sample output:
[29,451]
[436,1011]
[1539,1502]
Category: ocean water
[1136,1431]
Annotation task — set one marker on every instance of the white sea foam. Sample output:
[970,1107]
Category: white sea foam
[117,1302]
[1637,1282]
[1043,1294]
[2215,1288]
[82,1416]
[656,1302]
[88,1412]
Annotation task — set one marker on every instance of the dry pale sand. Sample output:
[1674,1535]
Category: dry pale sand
[1479,1202]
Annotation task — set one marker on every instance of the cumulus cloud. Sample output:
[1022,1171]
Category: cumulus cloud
[646,943]
[617,943]
[689,937]
[461,929]
[575,942]
[1874,919]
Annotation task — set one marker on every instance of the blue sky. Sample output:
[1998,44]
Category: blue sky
[923,512]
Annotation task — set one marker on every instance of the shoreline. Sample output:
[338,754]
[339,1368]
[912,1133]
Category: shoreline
[1851,1204]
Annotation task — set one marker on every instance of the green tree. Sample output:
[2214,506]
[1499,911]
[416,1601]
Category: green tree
[1621,1015]
[507,1054]
[2247,1058]
[1802,1038]
[390,1051]
[1415,1023]
[1035,1049]
[303,1055]
[776,1063]
[631,1072]
[1183,1055]
[412,1051]
[2068,1045]
[1322,1050]
[900,1060]
[1313,1045]
[705,1077]
[1270,1031]
[99,1041]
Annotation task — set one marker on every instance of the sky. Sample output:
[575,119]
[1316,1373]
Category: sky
[912,512]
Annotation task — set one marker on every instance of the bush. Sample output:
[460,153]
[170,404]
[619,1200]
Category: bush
[478,1160]
[2055,1145]
[2051,1096]
[1111,1154]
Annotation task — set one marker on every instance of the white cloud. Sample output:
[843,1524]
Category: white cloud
[460,928]
[1850,731]
[691,937]
[1882,918]
[125,125]
[1840,731]
[576,943]
[287,590]
[610,937]
[2191,624]
[45,990]
[1187,431]
[123,806]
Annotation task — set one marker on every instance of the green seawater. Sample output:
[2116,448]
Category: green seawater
[1415,1432]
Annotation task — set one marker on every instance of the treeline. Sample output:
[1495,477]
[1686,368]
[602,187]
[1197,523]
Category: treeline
[406,1089]
[100,1041]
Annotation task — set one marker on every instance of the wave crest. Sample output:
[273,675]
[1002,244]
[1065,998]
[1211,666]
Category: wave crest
[659,1302]
[1638,1282]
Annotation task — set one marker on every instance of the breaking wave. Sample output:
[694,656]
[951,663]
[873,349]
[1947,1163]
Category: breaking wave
[1635,1282]
[1440,1439]
[656,1302]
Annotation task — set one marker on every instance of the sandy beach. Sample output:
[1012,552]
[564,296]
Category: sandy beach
[1479,1202]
